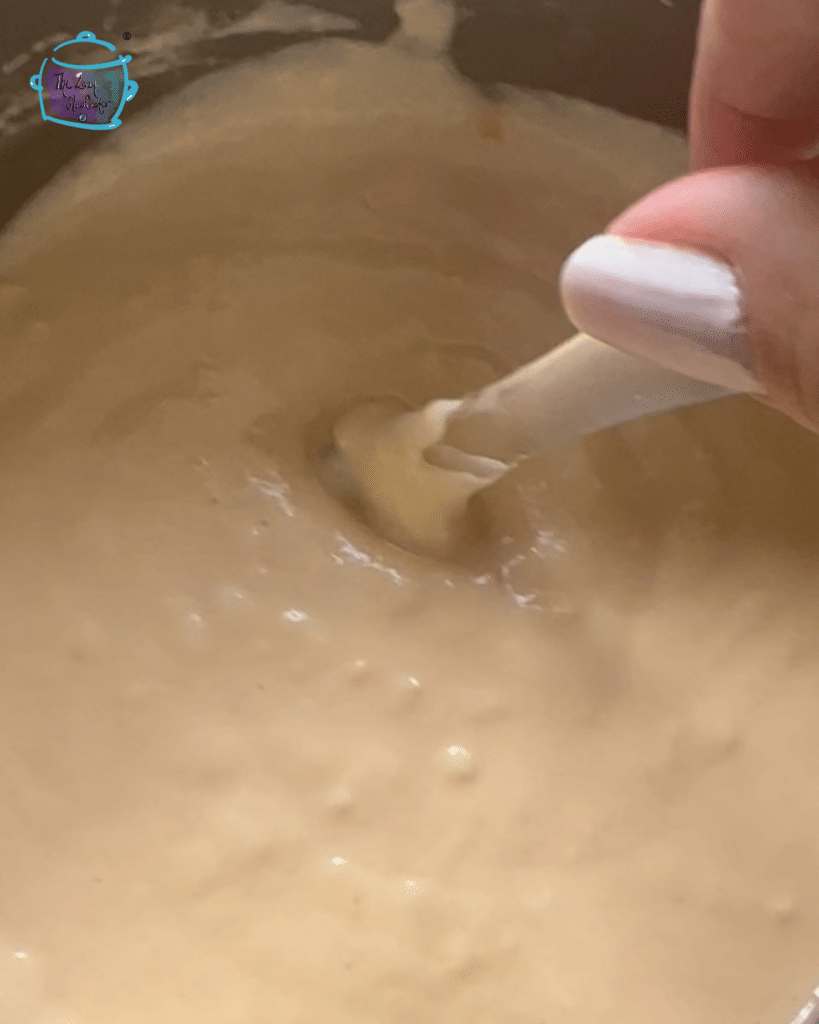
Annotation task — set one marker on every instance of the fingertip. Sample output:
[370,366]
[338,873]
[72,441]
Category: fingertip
[763,222]
[705,209]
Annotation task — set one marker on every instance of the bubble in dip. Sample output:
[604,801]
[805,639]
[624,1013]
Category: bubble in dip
[457,764]
[381,462]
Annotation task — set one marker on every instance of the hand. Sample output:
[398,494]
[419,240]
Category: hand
[717,274]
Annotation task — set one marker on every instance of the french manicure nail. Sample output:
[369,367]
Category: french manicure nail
[671,305]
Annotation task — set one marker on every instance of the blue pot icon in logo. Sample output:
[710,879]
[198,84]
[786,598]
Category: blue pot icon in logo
[87,87]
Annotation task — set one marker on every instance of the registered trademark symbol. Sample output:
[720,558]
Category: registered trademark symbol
[126,35]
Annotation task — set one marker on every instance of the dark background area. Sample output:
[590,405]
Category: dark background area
[632,55]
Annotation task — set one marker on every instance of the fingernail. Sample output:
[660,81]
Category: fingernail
[674,306]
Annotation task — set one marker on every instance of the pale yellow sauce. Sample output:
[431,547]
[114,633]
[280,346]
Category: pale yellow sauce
[260,766]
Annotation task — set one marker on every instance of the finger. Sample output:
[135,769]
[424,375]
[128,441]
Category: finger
[755,93]
[713,275]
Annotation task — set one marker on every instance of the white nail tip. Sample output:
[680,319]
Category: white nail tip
[671,305]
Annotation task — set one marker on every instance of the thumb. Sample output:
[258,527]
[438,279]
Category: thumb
[715,275]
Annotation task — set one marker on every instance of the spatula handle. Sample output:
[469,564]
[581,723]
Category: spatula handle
[578,388]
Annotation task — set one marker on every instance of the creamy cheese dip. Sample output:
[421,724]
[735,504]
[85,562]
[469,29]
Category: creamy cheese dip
[259,765]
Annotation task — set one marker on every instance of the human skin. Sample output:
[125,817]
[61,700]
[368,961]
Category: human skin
[752,200]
